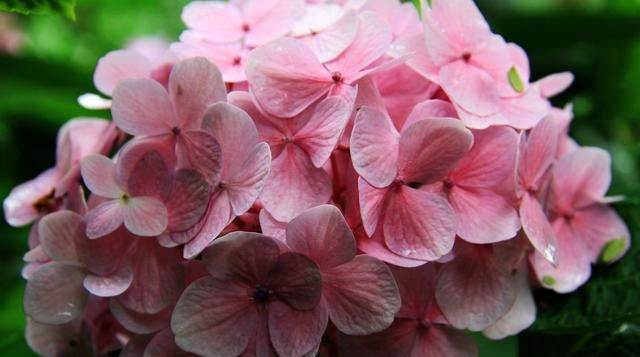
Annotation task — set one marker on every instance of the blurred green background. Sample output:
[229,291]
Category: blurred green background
[47,61]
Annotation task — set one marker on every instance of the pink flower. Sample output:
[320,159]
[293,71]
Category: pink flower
[587,230]
[394,169]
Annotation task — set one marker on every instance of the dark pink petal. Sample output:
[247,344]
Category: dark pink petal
[214,318]
[430,148]
[200,15]
[555,84]
[117,66]
[142,107]
[418,224]
[286,77]
[294,185]
[104,256]
[361,296]
[146,169]
[188,200]
[136,346]
[434,108]
[293,332]
[397,340]
[104,219]
[54,294]
[475,290]
[470,87]
[163,345]
[99,174]
[158,277]
[108,286]
[319,135]
[373,146]
[371,202]
[537,153]
[19,207]
[218,216]
[194,85]
[58,233]
[68,339]
[581,178]
[137,322]
[417,290]
[228,255]
[538,229]
[322,234]
[296,280]
[597,225]
[247,183]
[145,216]
[440,341]
[270,19]
[201,151]
[483,216]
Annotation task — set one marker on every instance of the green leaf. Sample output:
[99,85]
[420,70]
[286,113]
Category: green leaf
[515,80]
[40,7]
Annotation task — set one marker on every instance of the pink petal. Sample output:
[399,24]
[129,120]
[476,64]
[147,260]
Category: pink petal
[322,234]
[217,217]
[54,340]
[188,200]
[537,153]
[270,19]
[376,248]
[142,107]
[137,322]
[295,279]
[158,277]
[470,87]
[361,296]
[430,148]
[293,332]
[397,340]
[371,202]
[117,66]
[475,290]
[136,345]
[99,174]
[19,207]
[194,85]
[272,227]
[320,134]
[108,286]
[201,151]
[104,256]
[54,294]
[330,42]
[202,15]
[214,317]
[536,226]
[243,256]
[434,108]
[146,216]
[247,183]
[371,42]
[555,84]
[373,147]
[163,345]
[490,161]
[483,216]
[81,137]
[525,111]
[581,177]
[417,289]
[444,341]
[285,77]
[104,219]
[294,185]
[144,168]
[418,224]
[597,225]
[58,233]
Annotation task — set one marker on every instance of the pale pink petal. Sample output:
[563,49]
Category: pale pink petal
[433,108]
[145,216]
[322,234]
[294,185]
[319,135]
[104,219]
[555,84]
[470,87]
[214,317]
[270,19]
[537,228]
[94,102]
[317,17]
[597,225]
[537,153]
[361,296]
[373,147]
[58,233]
[371,201]
[142,107]
[247,183]
[293,332]
[137,322]
[371,42]
[376,247]
[108,286]
[99,174]
[483,216]
[19,209]
[418,58]
[272,227]
[285,77]
[581,178]
[217,217]
[188,200]
[54,294]
[194,85]
[475,290]
[525,111]
[80,137]
[117,66]
[58,340]
[430,148]
[205,15]
[330,42]
[573,268]
[418,224]
[201,151]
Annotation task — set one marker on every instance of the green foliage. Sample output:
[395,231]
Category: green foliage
[40,7]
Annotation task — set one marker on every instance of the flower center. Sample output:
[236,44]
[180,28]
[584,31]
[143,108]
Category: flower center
[262,295]
[466,57]
[246,28]
[175,130]
[336,77]
[237,61]
[46,203]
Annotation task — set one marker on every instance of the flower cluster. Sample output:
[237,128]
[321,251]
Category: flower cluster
[299,178]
